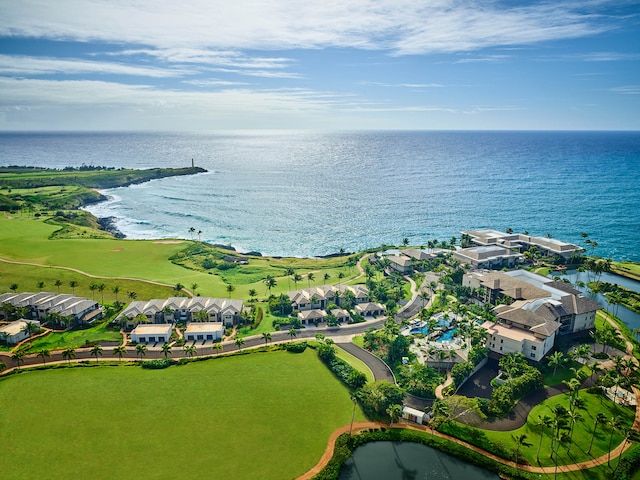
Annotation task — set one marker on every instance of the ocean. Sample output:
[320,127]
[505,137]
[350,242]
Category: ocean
[288,193]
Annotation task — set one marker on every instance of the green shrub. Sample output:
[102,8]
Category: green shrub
[297,347]
[158,364]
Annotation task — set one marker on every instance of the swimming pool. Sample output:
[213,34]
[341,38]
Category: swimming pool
[447,336]
[424,330]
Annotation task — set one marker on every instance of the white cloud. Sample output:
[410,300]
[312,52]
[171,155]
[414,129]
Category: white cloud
[400,26]
[213,82]
[23,65]
[401,85]
[627,90]
[111,105]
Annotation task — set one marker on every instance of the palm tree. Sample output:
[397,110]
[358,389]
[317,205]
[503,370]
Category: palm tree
[68,354]
[270,282]
[192,230]
[93,287]
[166,349]
[29,328]
[132,295]
[325,278]
[101,287]
[252,294]
[120,350]
[96,351]
[573,418]
[40,285]
[217,347]
[520,441]
[178,288]
[292,333]
[425,297]
[44,354]
[199,234]
[239,343]
[310,278]
[115,291]
[18,357]
[615,423]
[394,412]
[600,418]
[354,399]
[288,273]
[13,287]
[73,284]
[556,359]
[194,287]
[190,350]
[266,337]
[296,278]
[230,289]
[141,350]
[543,422]
[57,283]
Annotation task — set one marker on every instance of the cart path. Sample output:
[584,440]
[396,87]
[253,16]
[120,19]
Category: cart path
[152,282]
[360,426]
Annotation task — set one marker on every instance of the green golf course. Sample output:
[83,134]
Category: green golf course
[262,415]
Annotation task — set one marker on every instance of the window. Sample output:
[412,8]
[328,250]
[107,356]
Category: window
[500,348]
[533,355]
[502,340]
[533,347]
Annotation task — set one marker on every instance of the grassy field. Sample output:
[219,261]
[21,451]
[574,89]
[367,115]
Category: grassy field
[355,363]
[628,269]
[581,435]
[24,238]
[264,416]
[75,338]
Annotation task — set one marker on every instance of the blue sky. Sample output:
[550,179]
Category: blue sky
[331,64]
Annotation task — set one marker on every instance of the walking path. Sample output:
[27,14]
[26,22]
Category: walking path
[153,282]
[360,426]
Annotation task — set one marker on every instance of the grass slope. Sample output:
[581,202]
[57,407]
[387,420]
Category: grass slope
[262,416]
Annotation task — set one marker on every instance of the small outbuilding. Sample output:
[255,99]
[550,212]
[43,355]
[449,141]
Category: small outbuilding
[203,331]
[151,333]
[16,331]
[415,416]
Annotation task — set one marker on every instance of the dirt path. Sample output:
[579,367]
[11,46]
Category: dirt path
[152,282]
[360,426]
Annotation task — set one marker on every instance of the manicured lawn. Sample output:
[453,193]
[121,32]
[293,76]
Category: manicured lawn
[29,277]
[75,338]
[355,363]
[265,415]
[581,435]
[27,239]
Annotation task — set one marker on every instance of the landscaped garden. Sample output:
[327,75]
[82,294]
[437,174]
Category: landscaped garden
[102,332]
[265,415]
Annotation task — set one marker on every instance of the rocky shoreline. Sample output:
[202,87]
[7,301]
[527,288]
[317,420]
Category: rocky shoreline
[108,224]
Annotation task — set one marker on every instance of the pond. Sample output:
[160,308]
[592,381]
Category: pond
[408,461]
[629,317]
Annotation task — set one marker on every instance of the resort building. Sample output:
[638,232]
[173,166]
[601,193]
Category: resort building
[16,331]
[321,296]
[400,263]
[151,333]
[531,310]
[204,331]
[370,309]
[520,242]
[488,257]
[550,299]
[40,305]
[184,309]
[308,317]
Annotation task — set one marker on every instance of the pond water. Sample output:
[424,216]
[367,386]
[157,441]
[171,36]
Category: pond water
[630,318]
[408,461]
